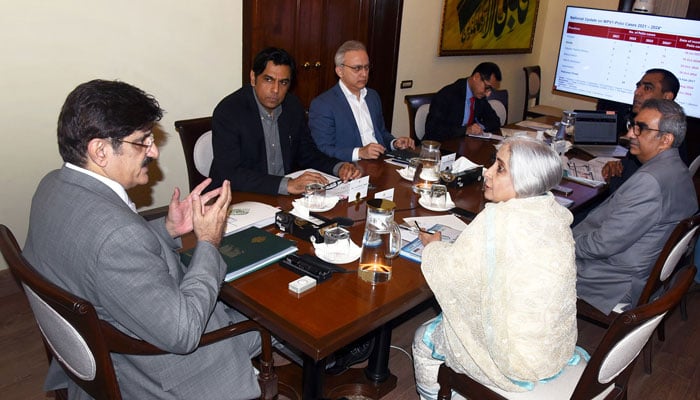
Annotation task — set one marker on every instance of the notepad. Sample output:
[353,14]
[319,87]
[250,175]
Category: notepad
[414,250]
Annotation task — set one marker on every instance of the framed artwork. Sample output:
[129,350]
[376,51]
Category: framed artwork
[472,27]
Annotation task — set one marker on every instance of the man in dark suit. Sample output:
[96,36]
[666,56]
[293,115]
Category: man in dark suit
[260,134]
[461,108]
[86,237]
[346,121]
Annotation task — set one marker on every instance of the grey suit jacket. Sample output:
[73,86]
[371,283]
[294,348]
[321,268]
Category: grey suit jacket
[620,240]
[85,239]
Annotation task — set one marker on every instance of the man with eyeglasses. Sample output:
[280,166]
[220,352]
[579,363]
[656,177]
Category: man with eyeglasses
[461,108]
[618,242]
[86,237]
[656,83]
[346,121]
[260,134]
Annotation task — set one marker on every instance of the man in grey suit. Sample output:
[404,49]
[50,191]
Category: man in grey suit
[619,241]
[86,237]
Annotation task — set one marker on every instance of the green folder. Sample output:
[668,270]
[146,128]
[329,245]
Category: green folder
[249,250]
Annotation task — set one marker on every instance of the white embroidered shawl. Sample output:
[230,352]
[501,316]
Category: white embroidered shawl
[507,288]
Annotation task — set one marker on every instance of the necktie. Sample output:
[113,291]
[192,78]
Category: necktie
[471,111]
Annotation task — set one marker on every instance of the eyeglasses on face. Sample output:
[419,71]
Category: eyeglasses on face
[357,68]
[146,143]
[639,127]
[487,88]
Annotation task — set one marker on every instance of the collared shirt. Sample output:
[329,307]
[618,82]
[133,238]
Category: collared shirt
[467,108]
[363,119]
[275,163]
[115,186]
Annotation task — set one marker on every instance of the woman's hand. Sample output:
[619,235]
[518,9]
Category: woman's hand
[427,237]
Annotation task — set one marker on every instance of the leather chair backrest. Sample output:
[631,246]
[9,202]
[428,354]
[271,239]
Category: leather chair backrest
[190,131]
[414,102]
[203,154]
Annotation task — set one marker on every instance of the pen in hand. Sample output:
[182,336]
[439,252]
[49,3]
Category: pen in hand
[419,228]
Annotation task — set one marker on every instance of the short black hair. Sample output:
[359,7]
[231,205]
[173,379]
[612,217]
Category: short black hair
[669,83]
[277,56]
[486,69]
[102,109]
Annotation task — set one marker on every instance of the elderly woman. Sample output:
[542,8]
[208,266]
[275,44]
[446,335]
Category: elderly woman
[507,285]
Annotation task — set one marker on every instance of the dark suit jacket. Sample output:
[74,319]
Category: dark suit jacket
[85,239]
[333,125]
[447,113]
[239,143]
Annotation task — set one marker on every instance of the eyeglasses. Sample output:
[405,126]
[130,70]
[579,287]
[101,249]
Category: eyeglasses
[357,68]
[639,127]
[487,87]
[146,143]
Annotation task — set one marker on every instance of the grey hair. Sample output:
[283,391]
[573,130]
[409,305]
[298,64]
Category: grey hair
[350,45]
[672,118]
[534,167]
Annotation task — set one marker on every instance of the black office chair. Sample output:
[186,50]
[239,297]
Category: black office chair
[533,78]
[191,130]
[74,335]
[418,107]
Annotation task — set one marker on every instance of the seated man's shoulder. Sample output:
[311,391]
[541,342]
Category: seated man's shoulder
[323,98]
[456,85]
[234,100]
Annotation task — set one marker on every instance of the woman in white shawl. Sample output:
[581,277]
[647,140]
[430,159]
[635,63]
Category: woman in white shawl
[507,285]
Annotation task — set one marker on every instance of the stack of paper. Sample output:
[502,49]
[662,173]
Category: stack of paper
[249,213]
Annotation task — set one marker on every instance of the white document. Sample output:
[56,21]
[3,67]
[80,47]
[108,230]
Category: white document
[249,213]
[589,173]
[447,220]
[534,125]
[357,189]
[385,194]
[341,190]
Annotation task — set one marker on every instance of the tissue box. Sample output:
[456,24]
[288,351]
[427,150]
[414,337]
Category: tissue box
[465,178]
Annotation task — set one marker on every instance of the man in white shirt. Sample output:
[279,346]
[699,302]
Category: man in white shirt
[346,121]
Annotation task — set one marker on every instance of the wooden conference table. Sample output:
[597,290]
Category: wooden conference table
[345,308]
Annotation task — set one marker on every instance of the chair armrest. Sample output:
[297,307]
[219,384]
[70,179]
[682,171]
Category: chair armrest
[154,213]
[592,314]
[119,342]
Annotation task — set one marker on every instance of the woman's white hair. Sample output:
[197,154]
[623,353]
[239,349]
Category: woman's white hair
[534,167]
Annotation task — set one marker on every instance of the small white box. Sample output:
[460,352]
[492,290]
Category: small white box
[302,284]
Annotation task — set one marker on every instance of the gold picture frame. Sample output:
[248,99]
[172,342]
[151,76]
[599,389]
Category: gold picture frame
[471,27]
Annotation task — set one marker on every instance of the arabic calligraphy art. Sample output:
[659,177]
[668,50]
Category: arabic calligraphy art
[487,27]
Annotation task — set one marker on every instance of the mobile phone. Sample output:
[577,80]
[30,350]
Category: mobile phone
[460,212]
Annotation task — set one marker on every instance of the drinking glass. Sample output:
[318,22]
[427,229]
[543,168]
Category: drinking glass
[315,195]
[337,243]
[438,196]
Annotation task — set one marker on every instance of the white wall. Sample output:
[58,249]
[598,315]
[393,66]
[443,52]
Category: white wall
[418,59]
[187,54]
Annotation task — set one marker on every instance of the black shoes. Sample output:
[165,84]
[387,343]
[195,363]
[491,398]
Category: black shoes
[350,355]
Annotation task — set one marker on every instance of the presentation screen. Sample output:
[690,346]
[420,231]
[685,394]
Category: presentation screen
[604,53]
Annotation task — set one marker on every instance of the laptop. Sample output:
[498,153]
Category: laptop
[596,133]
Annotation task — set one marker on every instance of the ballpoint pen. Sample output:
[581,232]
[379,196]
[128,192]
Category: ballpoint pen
[419,228]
